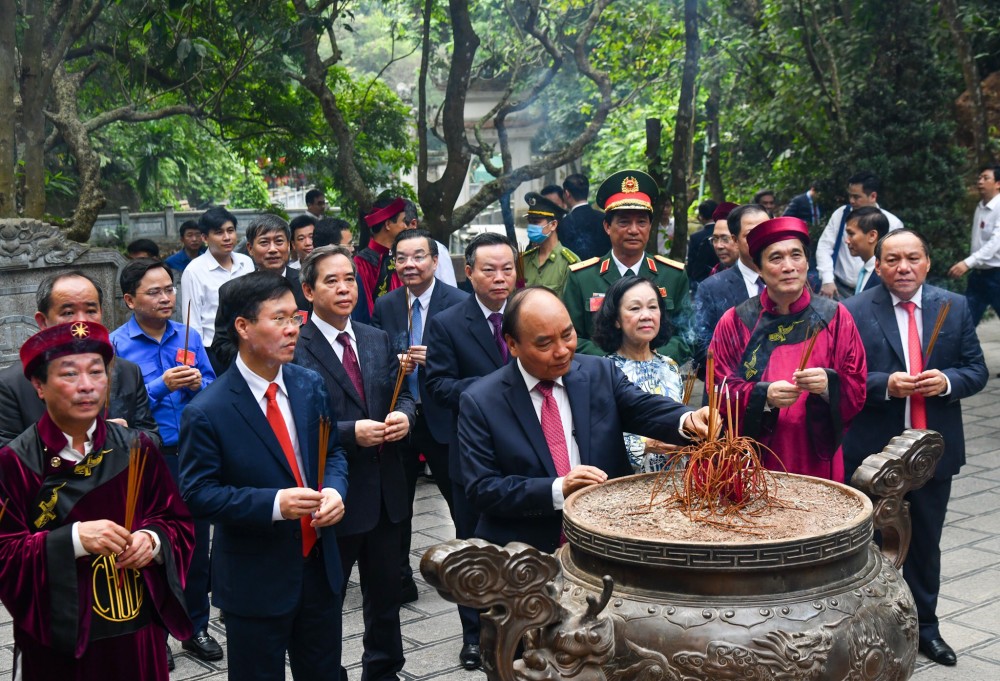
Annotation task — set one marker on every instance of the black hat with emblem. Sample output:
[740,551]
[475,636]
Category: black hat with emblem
[628,190]
[540,206]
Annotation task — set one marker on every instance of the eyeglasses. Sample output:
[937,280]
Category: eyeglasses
[724,239]
[157,292]
[418,259]
[295,320]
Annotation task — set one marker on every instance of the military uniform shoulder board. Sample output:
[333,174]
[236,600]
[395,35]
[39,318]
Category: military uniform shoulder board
[651,264]
[604,265]
[572,257]
[676,264]
[576,267]
[529,250]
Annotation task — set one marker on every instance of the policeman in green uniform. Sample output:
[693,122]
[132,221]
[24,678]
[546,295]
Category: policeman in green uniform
[547,262]
[627,198]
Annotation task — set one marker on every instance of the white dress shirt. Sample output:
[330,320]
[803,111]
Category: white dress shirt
[869,271]
[623,268]
[258,386]
[487,311]
[750,278]
[903,323]
[446,268]
[847,266]
[985,236]
[200,285]
[566,414]
[330,333]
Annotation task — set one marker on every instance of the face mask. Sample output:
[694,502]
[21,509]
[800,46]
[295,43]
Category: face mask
[536,234]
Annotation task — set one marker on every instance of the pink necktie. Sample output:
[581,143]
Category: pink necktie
[280,428]
[552,428]
[918,407]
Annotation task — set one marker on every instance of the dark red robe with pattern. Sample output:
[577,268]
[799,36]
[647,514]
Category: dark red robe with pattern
[82,618]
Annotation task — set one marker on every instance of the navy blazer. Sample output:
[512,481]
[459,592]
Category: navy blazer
[715,295]
[231,468]
[391,315]
[582,231]
[460,350]
[376,474]
[956,353]
[20,406]
[507,467]
[800,207]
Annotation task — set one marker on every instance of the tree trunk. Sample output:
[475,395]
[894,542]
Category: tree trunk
[654,166]
[90,198]
[8,186]
[713,164]
[33,90]
[684,129]
[970,72]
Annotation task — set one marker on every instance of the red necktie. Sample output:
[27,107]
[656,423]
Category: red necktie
[918,407]
[280,429]
[552,428]
[351,366]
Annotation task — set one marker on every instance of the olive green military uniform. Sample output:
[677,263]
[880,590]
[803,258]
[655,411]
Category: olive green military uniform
[553,272]
[590,279]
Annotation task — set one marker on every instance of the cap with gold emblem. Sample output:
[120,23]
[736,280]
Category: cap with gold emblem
[540,206]
[75,338]
[628,190]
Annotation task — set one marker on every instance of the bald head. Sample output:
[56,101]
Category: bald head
[539,332]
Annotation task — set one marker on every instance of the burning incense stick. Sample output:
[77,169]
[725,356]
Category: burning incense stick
[689,380]
[405,359]
[324,442]
[187,330]
[710,390]
[942,315]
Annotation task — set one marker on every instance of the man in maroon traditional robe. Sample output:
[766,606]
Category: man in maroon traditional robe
[760,345]
[375,264]
[89,597]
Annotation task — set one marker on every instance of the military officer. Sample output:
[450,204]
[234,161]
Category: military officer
[627,198]
[546,262]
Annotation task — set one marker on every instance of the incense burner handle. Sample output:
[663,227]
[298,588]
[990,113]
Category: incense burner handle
[906,463]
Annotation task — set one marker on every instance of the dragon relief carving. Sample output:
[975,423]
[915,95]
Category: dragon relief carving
[26,243]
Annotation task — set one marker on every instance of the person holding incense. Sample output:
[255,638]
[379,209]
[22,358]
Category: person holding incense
[789,365]
[258,460]
[923,359]
[94,538]
[174,368]
[631,322]
[374,412]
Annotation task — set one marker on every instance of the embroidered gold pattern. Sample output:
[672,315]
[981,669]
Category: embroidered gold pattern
[781,335]
[751,366]
[118,593]
[46,507]
[87,466]
[80,330]
[630,185]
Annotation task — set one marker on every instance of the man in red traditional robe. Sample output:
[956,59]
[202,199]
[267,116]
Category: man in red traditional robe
[89,595]
[793,365]
[376,268]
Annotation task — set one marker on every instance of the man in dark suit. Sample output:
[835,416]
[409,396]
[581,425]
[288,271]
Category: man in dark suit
[582,230]
[464,343]
[730,287]
[865,227]
[359,368]
[72,296]
[907,390]
[701,257]
[404,314]
[249,460]
[805,206]
[517,469]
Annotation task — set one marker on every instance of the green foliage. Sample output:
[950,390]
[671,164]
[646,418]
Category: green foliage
[250,192]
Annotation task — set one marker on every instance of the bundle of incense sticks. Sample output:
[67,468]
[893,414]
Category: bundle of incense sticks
[401,374]
[136,468]
[812,333]
[689,380]
[713,397]
[3,510]
[942,315]
[324,441]
[187,331]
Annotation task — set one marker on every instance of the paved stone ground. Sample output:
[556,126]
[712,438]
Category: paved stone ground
[970,593]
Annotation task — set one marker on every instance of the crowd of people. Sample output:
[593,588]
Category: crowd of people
[261,451]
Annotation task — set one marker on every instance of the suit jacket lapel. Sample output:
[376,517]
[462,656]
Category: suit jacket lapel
[249,409]
[516,394]
[369,364]
[479,328]
[317,345]
[885,315]
[578,391]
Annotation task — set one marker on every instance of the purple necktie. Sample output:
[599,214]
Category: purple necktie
[351,366]
[496,320]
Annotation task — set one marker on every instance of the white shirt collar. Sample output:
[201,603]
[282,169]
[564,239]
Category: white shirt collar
[330,332]
[992,204]
[258,384]
[622,267]
[71,454]
[425,297]
[870,264]
[917,298]
[577,205]
[749,276]
[530,381]
[487,311]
